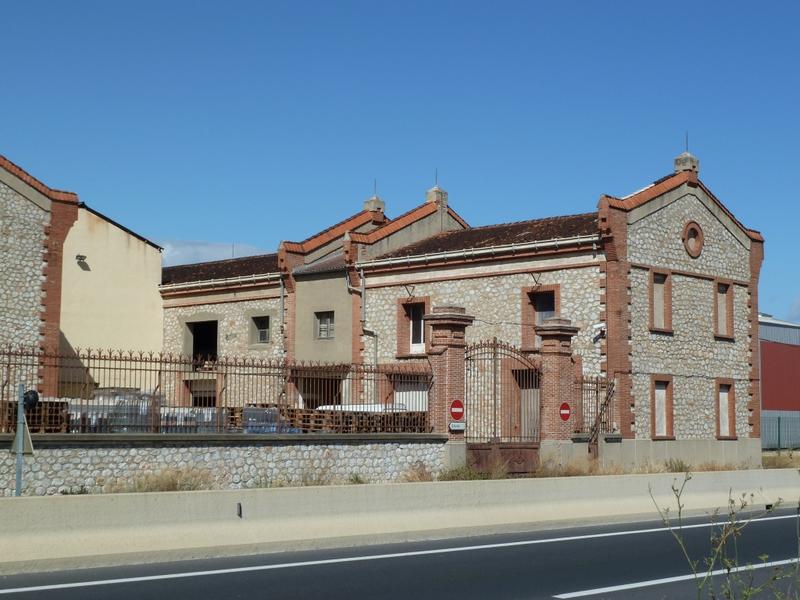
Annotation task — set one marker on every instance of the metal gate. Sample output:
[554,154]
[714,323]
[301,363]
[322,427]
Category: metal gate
[502,408]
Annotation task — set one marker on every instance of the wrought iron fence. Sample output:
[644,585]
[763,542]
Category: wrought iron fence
[502,394]
[137,392]
[598,411]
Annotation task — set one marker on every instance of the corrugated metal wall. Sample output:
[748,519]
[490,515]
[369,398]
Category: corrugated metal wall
[779,333]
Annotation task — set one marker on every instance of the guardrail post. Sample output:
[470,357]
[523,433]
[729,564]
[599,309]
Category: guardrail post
[446,353]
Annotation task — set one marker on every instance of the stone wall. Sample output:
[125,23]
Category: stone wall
[22,248]
[691,353]
[233,327]
[94,468]
[496,304]
[656,240]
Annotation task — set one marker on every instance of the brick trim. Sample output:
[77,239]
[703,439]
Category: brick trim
[404,326]
[528,313]
[754,388]
[667,301]
[718,382]
[647,267]
[727,335]
[616,310]
[483,273]
[669,408]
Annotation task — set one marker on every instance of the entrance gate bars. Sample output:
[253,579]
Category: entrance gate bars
[502,408]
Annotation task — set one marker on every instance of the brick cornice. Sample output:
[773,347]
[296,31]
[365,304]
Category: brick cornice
[24,176]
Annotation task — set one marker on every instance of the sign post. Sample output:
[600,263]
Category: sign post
[457,416]
[22,440]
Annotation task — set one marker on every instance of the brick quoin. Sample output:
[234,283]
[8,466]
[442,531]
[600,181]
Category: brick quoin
[754,389]
[62,216]
[616,297]
[447,353]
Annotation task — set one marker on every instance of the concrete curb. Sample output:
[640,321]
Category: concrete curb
[41,531]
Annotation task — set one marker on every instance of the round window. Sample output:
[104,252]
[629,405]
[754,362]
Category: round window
[693,239]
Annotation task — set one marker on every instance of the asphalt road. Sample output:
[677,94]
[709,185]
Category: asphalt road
[603,561]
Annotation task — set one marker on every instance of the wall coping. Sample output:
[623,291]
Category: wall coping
[64,440]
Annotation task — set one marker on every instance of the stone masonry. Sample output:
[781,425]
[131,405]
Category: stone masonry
[234,327]
[231,466]
[496,304]
[22,249]
[691,353]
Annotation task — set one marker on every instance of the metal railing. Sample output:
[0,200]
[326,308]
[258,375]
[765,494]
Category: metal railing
[598,410]
[780,432]
[137,392]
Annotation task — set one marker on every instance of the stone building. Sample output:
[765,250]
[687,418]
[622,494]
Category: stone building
[70,276]
[656,292]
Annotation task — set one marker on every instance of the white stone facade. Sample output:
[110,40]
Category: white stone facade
[496,304]
[690,354]
[234,327]
[231,466]
[22,239]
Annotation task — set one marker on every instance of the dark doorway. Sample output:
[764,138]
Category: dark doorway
[204,340]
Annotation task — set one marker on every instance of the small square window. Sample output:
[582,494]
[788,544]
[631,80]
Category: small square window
[324,327]
[260,330]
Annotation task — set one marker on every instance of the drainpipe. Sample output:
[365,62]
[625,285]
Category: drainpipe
[362,291]
[283,314]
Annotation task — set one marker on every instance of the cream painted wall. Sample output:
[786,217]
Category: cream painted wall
[326,292]
[114,303]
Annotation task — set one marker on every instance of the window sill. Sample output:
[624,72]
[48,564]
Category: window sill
[260,346]
[411,355]
[663,438]
[661,331]
[731,438]
[723,338]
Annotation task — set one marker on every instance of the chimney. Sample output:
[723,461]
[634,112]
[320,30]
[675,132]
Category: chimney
[437,195]
[374,204]
[687,162]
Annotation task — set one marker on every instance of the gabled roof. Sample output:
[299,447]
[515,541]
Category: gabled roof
[504,234]
[220,269]
[404,220]
[23,175]
[330,264]
[666,184]
[333,232]
[115,224]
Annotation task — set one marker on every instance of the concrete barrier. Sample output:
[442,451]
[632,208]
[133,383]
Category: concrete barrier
[40,532]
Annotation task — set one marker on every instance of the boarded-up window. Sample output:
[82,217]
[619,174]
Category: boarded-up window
[661,301]
[724,306]
[725,400]
[661,408]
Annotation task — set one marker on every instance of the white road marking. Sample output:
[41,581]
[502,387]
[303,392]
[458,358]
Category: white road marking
[690,576]
[333,561]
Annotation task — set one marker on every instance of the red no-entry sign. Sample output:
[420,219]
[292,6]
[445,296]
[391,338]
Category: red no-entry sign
[457,410]
[565,411]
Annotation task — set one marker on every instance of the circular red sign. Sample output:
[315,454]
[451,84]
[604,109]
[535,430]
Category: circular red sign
[565,411]
[457,410]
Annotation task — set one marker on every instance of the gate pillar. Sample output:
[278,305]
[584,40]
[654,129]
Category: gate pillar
[448,326]
[558,378]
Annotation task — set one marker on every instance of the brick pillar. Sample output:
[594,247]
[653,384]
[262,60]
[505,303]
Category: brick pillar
[558,379]
[448,326]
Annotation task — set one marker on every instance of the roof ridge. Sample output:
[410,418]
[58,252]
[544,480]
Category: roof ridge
[585,214]
[37,184]
[221,260]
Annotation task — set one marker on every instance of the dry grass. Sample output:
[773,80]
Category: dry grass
[467,473]
[773,460]
[168,480]
[418,472]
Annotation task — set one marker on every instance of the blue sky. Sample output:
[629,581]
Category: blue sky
[203,124]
